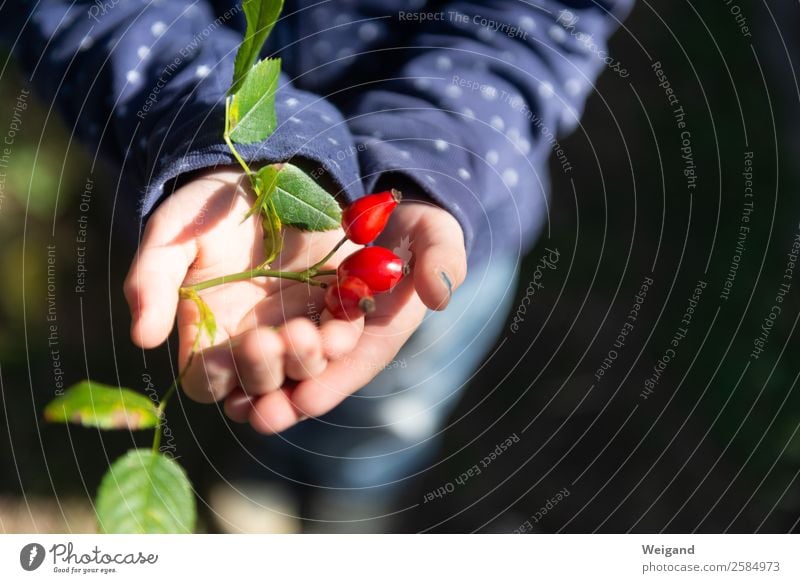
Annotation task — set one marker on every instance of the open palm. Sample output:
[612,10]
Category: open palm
[278,356]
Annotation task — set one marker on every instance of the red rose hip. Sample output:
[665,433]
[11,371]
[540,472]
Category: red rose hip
[377,267]
[349,299]
[364,220]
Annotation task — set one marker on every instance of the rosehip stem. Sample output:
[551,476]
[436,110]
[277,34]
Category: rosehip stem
[330,254]
[227,136]
[306,276]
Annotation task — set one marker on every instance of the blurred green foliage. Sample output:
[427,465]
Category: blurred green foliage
[43,178]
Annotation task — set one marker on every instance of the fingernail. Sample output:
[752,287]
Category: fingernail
[447,282]
[240,400]
[219,377]
[238,406]
[318,366]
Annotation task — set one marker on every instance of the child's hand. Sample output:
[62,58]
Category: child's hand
[271,363]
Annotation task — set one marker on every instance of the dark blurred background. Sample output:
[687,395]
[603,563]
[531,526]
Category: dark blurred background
[714,447]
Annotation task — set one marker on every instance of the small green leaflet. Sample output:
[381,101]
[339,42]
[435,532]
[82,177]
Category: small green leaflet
[145,493]
[251,116]
[301,203]
[261,17]
[264,185]
[207,323]
[271,226]
[96,405]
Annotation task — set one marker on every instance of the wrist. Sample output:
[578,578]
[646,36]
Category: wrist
[227,174]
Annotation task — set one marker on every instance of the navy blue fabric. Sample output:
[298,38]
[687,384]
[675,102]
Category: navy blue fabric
[452,97]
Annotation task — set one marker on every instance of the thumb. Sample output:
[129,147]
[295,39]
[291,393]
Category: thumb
[440,257]
[152,285]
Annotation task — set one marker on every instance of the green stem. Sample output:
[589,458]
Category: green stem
[315,268]
[157,436]
[226,135]
[165,399]
[304,276]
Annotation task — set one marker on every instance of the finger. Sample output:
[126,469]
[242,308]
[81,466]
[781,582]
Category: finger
[385,332]
[304,354]
[440,259]
[211,375]
[339,337]
[317,396]
[275,412]
[238,405]
[281,305]
[151,287]
[259,355]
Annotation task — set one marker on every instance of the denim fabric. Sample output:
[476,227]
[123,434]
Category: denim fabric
[383,435]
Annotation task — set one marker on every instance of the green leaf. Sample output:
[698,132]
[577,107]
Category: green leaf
[302,203]
[145,493]
[265,182]
[271,225]
[261,17]
[252,116]
[266,179]
[96,405]
[207,323]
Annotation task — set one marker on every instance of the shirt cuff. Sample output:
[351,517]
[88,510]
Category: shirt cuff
[310,132]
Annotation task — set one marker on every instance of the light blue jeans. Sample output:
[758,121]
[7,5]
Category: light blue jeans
[388,432]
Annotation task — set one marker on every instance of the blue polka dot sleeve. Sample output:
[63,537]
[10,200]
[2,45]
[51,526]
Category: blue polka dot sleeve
[145,82]
[464,101]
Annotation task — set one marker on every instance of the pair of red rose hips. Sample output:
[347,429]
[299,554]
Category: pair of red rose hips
[369,270]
